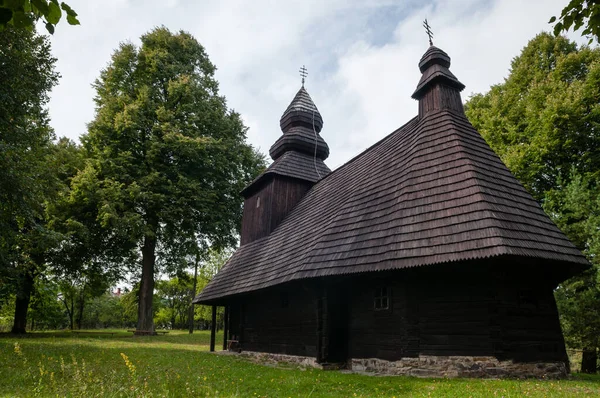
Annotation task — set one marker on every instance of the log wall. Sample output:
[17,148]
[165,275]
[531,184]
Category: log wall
[265,209]
[457,311]
[277,321]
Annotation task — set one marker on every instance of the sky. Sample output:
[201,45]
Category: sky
[361,56]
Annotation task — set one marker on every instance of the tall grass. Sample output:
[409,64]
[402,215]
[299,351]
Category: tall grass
[178,365]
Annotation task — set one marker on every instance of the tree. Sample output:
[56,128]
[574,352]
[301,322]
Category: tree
[45,311]
[578,14]
[27,75]
[81,286]
[575,208]
[167,158]
[23,14]
[175,294]
[544,122]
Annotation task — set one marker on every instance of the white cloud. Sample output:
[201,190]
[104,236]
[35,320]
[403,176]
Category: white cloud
[362,56]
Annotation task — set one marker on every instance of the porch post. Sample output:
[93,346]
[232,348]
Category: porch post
[213,328]
[225,327]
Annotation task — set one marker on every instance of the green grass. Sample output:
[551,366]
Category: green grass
[177,365]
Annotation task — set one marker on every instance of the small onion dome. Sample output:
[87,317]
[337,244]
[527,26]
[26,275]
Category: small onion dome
[302,111]
[434,65]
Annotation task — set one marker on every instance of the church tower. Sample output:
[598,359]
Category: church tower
[298,157]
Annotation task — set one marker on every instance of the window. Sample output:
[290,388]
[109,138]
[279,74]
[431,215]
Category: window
[258,202]
[382,298]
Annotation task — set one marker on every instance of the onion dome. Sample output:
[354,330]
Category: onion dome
[434,65]
[301,123]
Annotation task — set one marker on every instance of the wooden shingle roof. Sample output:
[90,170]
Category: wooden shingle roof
[301,109]
[432,192]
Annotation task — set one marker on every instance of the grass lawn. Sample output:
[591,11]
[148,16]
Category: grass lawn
[177,365]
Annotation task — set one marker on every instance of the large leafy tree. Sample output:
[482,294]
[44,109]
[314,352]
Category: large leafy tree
[167,157]
[38,241]
[27,75]
[544,122]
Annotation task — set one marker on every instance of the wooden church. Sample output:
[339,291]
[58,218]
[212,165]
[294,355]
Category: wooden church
[423,255]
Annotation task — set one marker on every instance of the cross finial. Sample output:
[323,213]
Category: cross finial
[428,31]
[303,73]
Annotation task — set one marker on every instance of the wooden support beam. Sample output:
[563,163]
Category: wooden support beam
[213,328]
[225,327]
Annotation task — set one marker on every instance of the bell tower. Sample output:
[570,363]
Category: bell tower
[298,157]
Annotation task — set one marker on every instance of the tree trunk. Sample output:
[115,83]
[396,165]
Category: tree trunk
[72,313]
[22,302]
[145,322]
[81,307]
[191,313]
[589,361]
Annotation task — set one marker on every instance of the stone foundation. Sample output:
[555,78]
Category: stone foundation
[460,366]
[425,366]
[275,359]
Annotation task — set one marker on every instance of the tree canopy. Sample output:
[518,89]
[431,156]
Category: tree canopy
[166,157]
[27,75]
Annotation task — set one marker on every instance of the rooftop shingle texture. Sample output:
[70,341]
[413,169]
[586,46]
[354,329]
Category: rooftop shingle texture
[434,55]
[295,165]
[300,139]
[301,111]
[431,192]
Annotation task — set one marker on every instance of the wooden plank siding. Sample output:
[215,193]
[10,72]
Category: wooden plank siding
[270,325]
[431,312]
[265,209]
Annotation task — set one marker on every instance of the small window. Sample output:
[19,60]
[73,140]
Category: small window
[258,202]
[382,298]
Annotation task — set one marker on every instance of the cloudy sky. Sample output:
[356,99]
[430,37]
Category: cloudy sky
[361,56]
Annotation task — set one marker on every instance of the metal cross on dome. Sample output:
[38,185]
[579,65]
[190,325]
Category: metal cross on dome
[303,73]
[429,32]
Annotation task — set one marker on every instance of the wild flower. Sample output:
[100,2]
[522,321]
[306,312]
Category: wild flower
[129,364]
[18,350]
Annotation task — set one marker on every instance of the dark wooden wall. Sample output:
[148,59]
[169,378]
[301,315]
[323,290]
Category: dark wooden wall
[277,320]
[387,334]
[526,325]
[265,209]
[461,310]
[453,314]
[475,310]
